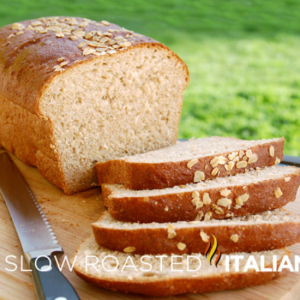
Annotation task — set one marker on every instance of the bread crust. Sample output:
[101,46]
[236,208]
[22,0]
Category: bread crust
[177,286]
[143,176]
[27,64]
[179,207]
[252,237]
[173,287]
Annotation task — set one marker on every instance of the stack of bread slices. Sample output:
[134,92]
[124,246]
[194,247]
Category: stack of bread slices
[170,210]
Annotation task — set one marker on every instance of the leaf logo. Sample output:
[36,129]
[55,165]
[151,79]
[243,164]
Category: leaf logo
[212,250]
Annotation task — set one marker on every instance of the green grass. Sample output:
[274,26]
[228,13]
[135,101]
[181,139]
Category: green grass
[243,57]
[248,88]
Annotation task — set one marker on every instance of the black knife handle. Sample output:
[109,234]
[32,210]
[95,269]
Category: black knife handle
[291,160]
[50,283]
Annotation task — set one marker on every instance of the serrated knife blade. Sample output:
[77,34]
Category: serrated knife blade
[36,236]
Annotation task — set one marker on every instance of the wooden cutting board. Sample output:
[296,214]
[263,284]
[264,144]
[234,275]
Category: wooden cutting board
[71,218]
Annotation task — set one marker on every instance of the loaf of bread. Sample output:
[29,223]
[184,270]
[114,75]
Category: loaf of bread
[247,193]
[163,280]
[74,92]
[264,231]
[189,162]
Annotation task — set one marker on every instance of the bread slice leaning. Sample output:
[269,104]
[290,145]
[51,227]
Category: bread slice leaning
[191,161]
[249,193]
[265,231]
[90,258]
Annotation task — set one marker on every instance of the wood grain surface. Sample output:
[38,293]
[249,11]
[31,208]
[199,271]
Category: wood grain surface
[71,218]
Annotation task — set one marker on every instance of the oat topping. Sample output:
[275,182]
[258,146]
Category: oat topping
[192,162]
[59,34]
[218,160]
[197,202]
[214,162]
[106,41]
[241,164]
[218,210]
[199,176]
[287,179]
[204,236]
[105,23]
[240,200]
[234,238]
[206,199]
[241,153]
[207,216]
[236,159]
[129,249]
[195,194]
[225,202]
[199,216]
[17,26]
[225,192]
[253,158]
[230,165]
[36,23]
[81,45]
[277,161]
[64,63]
[214,172]
[272,151]
[232,155]
[88,51]
[278,193]
[181,246]
[171,232]
[126,44]
[249,153]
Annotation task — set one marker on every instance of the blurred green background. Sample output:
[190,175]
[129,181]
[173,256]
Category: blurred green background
[243,57]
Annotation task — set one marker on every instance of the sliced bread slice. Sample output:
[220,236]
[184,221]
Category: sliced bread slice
[131,273]
[248,193]
[191,161]
[265,231]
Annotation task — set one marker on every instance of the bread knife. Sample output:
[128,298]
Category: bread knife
[36,236]
[291,160]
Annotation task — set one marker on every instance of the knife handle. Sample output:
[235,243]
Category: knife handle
[50,283]
[291,160]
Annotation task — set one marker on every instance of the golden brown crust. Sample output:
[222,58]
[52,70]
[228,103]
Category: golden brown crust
[179,207]
[22,132]
[29,58]
[251,237]
[182,286]
[29,137]
[142,176]
[169,287]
